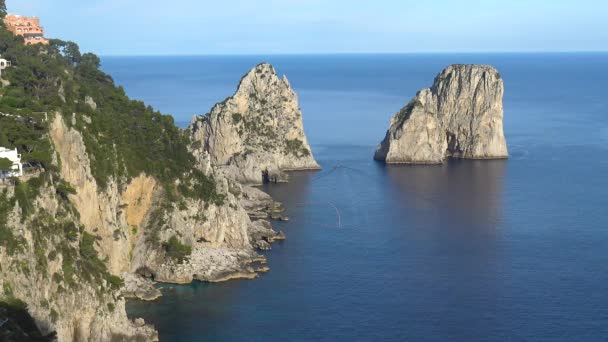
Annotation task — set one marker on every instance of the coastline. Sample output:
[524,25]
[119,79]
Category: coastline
[261,209]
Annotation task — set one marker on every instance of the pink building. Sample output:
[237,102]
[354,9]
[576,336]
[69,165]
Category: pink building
[28,27]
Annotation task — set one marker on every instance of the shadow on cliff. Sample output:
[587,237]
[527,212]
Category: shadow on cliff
[16,324]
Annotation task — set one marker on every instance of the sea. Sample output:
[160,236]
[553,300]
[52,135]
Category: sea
[504,250]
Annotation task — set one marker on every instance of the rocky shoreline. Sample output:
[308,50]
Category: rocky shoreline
[254,137]
[221,264]
[138,231]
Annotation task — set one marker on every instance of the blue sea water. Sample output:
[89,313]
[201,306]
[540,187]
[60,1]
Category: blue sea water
[511,250]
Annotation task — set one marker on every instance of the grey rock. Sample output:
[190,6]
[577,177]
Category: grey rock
[460,116]
[262,235]
[257,134]
[90,102]
[138,287]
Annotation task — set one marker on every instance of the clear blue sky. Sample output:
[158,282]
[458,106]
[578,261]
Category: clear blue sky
[143,27]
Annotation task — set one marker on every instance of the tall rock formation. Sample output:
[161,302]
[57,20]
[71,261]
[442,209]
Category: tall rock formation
[460,116]
[257,133]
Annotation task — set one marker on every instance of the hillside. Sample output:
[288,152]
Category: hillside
[111,192]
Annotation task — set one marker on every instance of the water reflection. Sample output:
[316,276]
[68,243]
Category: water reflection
[451,216]
[464,192]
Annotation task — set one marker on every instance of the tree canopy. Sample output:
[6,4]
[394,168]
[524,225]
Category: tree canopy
[5,164]
[2,8]
[123,137]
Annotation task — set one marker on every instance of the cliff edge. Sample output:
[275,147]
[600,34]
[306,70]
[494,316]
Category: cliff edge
[460,116]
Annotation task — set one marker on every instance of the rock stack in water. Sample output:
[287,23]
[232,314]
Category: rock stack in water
[460,116]
[257,133]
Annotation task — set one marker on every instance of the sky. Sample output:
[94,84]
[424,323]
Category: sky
[202,27]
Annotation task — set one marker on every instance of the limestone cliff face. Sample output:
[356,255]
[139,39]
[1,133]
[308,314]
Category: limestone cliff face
[120,218]
[101,212]
[460,116]
[59,301]
[257,131]
[218,235]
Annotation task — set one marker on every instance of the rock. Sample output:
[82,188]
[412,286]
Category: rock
[90,102]
[129,219]
[217,233]
[262,269]
[279,236]
[263,245]
[257,215]
[88,311]
[262,235]
[260,206]
[209,265]
[61,93]
[460,116]
[140,288]
[254,200]
[257,134]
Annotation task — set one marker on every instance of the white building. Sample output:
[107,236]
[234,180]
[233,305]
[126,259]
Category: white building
[3,65]
[17,168]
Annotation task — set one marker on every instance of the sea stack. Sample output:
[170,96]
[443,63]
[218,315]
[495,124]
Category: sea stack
[257,133]
[460,116]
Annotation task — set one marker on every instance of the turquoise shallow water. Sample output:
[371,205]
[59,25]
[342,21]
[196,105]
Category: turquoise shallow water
[472,250]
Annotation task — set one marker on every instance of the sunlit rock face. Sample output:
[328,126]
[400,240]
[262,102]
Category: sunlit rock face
[257,133]
[460,116]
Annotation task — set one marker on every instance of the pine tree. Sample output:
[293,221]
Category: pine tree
[2,8]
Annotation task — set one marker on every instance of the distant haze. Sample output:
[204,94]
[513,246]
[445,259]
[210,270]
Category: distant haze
[190,27]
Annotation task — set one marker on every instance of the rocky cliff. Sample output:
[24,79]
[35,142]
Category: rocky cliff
[460,116]
[128,221]
[112,201]
[128,226]
[257,133]
[50,267]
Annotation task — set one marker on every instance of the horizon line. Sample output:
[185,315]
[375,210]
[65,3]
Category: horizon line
[530,52]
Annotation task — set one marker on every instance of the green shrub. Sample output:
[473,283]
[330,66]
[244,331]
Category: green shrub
[57,278]
[236,118]
[8,290]
[70,231]
[54,315]
[64,189]
[8,240]
[114,281]
[87,246]
[5,164]
[296,148]
[176,250]
[26,194]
